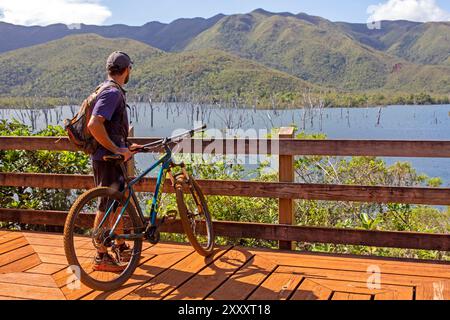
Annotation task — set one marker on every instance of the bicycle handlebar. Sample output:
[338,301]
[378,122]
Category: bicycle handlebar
[166,141]
[190,133]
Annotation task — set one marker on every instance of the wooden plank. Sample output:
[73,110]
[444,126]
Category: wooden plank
[39,249]
[345,275]
[144,273]
[350,296]
[327,261]
[50,239]
[13,245]
[30,279]
[389,239]
[42,235]
[47,268]
[285,190]
[311,290]
[32,144]
[376,148]
[400,292]
[21,265]
[30,292]
[57,243]
[9,237]
[385,296]
[211,277]
[278,286]
[162,246]
[433,290]
[3,298]
[245,280]
[48,250]
[15,255]
[53,258]
[286,174]
[163,284]
[53,236]
[381,148]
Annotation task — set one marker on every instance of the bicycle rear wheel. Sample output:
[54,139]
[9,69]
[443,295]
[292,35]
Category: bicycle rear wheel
[83,240]
[195,216]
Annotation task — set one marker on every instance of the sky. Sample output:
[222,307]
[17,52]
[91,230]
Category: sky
[139,12]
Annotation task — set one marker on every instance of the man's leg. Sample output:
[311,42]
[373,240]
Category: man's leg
[109,224]
[108,175]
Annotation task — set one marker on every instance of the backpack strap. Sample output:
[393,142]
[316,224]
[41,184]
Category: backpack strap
[111,83]
[106,85]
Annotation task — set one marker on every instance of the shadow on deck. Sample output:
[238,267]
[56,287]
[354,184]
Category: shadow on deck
[33,266]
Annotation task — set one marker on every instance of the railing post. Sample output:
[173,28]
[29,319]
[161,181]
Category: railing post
[131,169]
[286,174]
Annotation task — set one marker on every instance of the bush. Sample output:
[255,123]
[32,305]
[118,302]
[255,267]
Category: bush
[38,162]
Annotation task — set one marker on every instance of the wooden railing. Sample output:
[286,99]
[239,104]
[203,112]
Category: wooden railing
[286,190]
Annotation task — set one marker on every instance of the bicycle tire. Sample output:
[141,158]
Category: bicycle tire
[69,245]
[193,186]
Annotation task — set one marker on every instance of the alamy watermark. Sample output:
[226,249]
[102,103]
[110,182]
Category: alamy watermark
[239,146]
[438,291]
[374,279]
[73,281]
[371,23]
[74,26]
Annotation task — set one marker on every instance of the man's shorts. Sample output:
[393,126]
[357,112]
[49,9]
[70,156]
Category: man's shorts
[108,174]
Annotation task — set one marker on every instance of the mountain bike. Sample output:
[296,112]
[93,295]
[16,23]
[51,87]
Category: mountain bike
[102,218]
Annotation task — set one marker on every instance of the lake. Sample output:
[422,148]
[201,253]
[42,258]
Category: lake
[387,123]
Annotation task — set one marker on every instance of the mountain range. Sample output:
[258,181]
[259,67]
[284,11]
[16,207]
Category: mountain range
[260,53]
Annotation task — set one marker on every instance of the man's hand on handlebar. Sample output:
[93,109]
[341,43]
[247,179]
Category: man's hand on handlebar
[136,147]
[128,153]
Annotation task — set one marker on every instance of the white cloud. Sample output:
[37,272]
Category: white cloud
[45,12]
[413,10]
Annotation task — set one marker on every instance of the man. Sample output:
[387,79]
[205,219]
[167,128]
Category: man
[109,126]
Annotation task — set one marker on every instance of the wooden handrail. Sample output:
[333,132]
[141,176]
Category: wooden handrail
[289,147]
[330,192]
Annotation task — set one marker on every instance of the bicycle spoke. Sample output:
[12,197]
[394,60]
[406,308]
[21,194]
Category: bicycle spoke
[99,257]
[194,210]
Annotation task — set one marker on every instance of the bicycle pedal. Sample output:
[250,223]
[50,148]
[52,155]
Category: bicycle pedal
[153,235]
[171,215]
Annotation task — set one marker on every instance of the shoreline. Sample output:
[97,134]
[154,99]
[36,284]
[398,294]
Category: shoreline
[241,107]
[275,101]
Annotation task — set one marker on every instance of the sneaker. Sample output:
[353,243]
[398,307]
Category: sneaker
[106,263]
[123,253]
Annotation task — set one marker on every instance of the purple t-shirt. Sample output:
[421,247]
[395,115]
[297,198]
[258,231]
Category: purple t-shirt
[111,105]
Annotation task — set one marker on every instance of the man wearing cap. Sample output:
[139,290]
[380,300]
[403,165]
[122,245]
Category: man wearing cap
[109,126]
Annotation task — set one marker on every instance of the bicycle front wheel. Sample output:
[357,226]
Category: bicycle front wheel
[100,262]
[195,216]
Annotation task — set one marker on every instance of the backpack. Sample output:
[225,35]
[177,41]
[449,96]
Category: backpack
[77,128]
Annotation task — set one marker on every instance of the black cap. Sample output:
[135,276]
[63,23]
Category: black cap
[118,60]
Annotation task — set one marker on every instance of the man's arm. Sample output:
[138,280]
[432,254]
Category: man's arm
[97,128]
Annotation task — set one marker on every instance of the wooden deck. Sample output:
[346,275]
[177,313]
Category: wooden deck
[33,266]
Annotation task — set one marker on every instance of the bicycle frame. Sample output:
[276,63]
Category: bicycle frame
[166,162]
